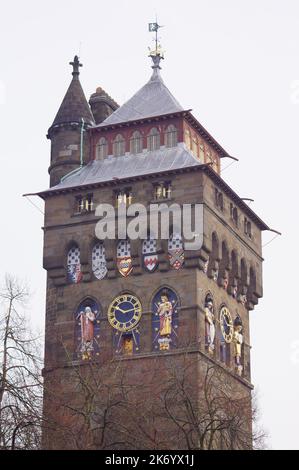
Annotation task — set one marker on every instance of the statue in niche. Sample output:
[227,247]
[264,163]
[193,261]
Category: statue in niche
[165,316]
[128,345]
[87,319]
[205,266]
[235,291]
[209,324]
[237,342]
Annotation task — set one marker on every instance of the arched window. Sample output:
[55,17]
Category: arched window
[243,284]
[234,275]
[171,136]
[102,149]
[124,260]
[74,274]
[119,147]
[99,265]
[224,266]
[213,268]
[153,139]
[149,252]
[87,330]
[188,139]
[165,307]
[176,251]
[136,143]
[194,146]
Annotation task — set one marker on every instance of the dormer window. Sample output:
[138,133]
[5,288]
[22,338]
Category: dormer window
[84,204]
[136,143]
[162,190]
[119,146]
[102,149]
[171,136]
[124,196]
[153,139]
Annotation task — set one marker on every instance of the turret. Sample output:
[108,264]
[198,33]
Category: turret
[69,143]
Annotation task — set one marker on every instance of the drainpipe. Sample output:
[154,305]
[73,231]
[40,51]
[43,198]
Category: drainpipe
[73,172]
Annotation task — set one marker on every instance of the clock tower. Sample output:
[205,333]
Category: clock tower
[125,315]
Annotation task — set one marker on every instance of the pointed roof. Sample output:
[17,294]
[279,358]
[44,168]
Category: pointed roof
[74,106]
[153,99]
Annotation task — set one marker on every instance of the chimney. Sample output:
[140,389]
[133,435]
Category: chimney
[102,105]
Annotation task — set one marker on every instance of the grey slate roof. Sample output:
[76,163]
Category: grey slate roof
[153,99]
[126,166]
[74,106]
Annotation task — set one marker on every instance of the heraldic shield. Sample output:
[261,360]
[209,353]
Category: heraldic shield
[150,261]
[176,258]
[124,265]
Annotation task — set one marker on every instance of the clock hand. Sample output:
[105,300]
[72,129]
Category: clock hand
[120,309]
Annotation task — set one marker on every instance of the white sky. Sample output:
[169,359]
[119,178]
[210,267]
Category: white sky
[236,64]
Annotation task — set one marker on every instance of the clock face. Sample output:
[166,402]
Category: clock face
[124,312]
[226,324]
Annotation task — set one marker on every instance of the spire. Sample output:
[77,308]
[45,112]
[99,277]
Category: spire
[153,99]
[74,106]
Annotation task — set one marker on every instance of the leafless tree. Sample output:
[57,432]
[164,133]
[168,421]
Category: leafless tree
[20,371]
[106,408]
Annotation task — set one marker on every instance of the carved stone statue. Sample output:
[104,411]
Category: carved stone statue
[87,319]
[237,342]
[209,324]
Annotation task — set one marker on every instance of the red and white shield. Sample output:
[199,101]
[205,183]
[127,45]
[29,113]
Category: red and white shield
[124,265]
[150,261]
[176,258]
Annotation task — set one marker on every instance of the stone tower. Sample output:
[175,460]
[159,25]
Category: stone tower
[126,318]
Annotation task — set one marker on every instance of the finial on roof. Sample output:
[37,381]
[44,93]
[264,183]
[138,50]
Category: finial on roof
[156,53]
[76,64]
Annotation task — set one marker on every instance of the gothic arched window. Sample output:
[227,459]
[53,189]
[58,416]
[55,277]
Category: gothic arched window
[119,145]
[171,136]
[165,306]
[176,250]
[153,139]
[149,252]
[136,145]
[98,261]
[74,274]
[87,329]
[102,148]
[124,260]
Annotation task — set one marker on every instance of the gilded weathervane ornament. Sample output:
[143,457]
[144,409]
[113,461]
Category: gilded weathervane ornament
[156,53]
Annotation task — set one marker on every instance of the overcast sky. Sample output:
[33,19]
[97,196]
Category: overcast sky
[236,64]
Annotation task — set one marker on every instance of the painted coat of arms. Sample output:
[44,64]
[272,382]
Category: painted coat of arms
[176,258]
[124,264]
[150,261]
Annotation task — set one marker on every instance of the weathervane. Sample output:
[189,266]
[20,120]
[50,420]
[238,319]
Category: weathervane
[157,53]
